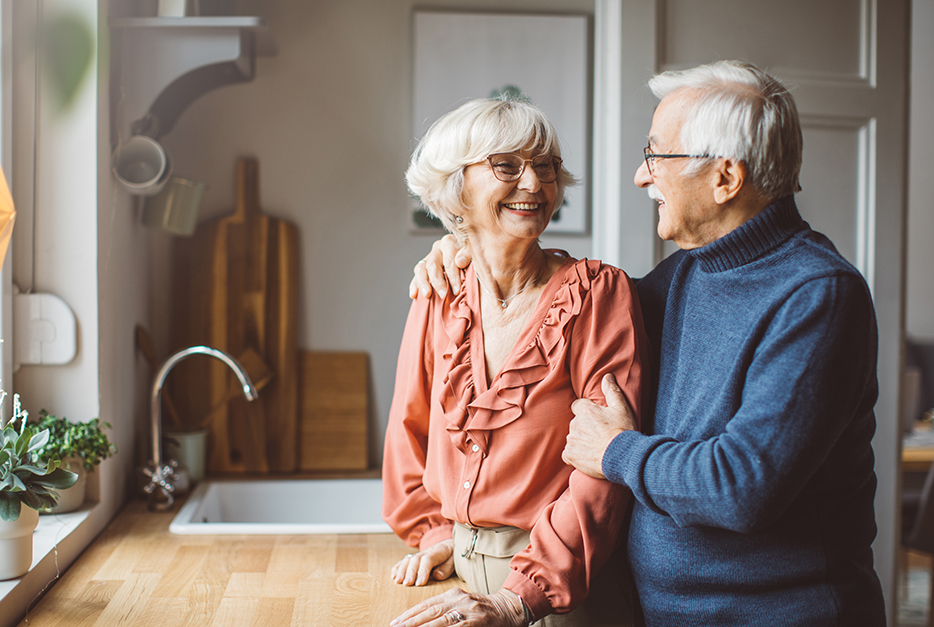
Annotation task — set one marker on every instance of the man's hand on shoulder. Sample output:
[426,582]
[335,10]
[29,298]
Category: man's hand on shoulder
[594,427]
[439,268]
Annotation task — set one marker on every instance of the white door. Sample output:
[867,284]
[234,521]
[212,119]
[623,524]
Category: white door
[847,64]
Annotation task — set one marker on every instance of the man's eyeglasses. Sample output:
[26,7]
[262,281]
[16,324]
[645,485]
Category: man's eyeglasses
[650,157]
[508,166]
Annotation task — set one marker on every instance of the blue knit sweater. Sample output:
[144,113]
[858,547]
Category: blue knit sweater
[754,482]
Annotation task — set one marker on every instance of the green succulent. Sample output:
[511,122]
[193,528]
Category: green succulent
[26,476]
[85,440]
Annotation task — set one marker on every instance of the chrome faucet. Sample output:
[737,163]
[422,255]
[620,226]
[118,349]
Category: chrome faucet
[162,477]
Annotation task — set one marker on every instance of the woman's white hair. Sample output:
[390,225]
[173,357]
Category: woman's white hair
[740,112]
[468,135]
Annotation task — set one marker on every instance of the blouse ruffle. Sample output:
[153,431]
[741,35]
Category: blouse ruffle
[470,417]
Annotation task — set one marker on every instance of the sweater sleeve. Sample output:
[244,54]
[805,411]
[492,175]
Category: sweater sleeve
[575,536]
[811,373]
[407,507]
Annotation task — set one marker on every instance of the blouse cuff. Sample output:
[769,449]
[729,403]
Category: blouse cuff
[435,535]
[532,595]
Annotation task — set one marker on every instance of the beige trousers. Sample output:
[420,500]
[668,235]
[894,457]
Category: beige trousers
[486,567]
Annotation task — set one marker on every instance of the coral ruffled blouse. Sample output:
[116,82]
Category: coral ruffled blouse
[458,449]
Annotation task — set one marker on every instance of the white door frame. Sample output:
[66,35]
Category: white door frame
[624,219]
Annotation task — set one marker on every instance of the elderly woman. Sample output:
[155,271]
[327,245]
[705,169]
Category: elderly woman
[472,471]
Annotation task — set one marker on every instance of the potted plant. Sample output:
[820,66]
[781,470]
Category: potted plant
[28,483]
[80,447]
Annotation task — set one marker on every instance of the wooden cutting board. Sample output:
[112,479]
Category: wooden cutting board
[237,289]
[334,408]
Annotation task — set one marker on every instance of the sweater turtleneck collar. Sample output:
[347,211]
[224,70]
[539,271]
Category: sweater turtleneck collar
[764,232]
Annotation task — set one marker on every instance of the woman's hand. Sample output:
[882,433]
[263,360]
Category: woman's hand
[444,260]
[437,561]
[456,607]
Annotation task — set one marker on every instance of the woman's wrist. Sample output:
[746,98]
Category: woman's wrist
[519,607]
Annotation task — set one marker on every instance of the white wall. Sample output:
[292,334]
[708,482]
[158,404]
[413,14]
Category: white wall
[90,250]
[920,292]
[338,93]
[329,119]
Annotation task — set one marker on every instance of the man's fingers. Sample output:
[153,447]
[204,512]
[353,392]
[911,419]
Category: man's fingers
[581,405]
[564,455]
[436,277]
[453,257]
[453,275]
[420,282]
[614,395]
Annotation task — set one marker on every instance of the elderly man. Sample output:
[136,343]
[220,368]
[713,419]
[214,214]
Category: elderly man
[753,479]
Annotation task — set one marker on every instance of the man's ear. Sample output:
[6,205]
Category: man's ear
[729,178]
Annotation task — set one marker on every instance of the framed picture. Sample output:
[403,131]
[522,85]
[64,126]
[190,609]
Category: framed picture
[542,58]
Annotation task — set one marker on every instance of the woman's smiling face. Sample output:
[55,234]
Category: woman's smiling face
[520,208]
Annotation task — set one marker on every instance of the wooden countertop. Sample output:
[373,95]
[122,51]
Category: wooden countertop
[137,573]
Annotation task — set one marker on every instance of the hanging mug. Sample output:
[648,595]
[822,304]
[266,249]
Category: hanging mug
[175,208]
[141,165]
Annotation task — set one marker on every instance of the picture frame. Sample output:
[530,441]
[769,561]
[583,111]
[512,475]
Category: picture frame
[543,58]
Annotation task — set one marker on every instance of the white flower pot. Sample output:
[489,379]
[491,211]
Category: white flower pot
[71,498]
[16,544]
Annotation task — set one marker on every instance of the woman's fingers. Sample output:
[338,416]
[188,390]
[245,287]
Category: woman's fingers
[417,568]
[420,614]
[401,568]
[404,570]
[444,571]
[413,570]
[435,612]
[456,607]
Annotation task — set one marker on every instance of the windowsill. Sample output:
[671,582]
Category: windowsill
[52,531]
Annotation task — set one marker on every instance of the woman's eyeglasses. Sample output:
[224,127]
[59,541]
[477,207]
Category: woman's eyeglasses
[508,166]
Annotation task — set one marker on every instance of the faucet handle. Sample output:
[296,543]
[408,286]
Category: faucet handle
[161,487]
[163,478]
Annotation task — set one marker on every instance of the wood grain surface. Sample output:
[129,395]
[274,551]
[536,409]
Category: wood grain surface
[334,409]
[137,573]
[236,289]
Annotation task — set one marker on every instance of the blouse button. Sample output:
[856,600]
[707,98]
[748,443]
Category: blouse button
[466,485]
[475,448]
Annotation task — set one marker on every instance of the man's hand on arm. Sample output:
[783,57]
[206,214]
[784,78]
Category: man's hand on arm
[594,427]
[439,268]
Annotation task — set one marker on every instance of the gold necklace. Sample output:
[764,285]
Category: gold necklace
[505,301]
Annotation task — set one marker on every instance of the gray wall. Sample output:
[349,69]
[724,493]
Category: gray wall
[329,120]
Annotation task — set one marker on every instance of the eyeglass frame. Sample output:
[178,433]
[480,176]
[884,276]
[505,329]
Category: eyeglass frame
[647,155]
[556,164]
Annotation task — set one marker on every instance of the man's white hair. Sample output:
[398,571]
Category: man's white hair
[739,112]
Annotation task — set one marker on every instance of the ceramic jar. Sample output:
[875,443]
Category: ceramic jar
[189,449]
[71,498]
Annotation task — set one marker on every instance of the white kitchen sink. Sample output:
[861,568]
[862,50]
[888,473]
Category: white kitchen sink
[283,507]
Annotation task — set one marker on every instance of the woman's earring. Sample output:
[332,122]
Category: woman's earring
[458,219]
